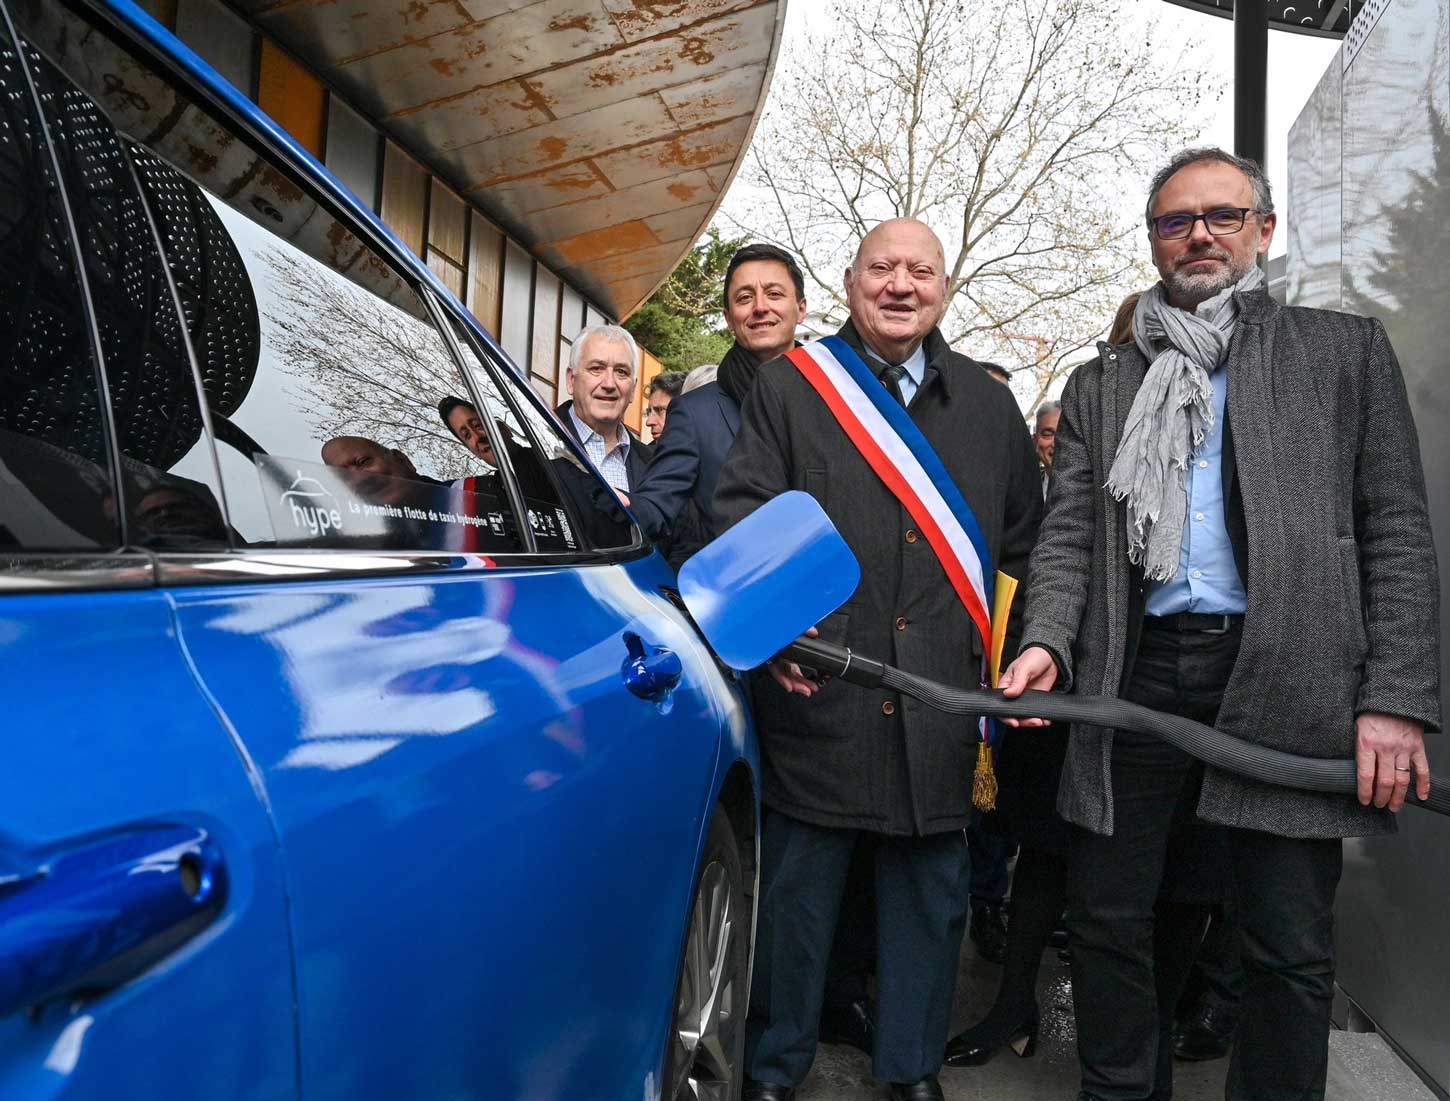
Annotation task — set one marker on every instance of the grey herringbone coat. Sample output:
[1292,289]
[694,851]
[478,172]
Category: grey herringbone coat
[1329,519]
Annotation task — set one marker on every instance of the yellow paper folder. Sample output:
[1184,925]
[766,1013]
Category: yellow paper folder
[1001,609]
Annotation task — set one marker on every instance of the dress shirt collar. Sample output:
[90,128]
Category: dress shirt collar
[586,433]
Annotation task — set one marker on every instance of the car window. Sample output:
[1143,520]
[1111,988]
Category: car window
[168,474]
[560,484]
[57,491]
[321,368]
[337,439]
[535,464]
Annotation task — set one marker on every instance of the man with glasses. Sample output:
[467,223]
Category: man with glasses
[1214,553]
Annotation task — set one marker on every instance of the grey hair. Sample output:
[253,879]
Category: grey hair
[610,332]
[1045,408]
[1263,196]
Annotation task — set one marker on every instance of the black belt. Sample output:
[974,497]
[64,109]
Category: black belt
[1200,622]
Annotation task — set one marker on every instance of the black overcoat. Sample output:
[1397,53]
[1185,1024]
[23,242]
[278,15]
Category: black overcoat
[852,757]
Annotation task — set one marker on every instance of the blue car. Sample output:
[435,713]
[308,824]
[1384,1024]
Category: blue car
[341,760]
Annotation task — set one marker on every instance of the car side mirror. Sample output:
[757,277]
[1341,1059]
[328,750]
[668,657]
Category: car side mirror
[768,580]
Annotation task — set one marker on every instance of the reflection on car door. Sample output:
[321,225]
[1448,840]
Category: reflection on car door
[489,840]
[144,946]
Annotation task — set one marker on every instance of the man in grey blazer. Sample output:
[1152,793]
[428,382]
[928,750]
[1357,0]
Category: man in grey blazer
[1211,550]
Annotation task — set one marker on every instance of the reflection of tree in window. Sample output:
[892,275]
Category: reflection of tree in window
[365,367]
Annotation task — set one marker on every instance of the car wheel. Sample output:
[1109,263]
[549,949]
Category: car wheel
[707,1041]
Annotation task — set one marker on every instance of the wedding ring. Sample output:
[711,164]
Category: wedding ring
[1401,768]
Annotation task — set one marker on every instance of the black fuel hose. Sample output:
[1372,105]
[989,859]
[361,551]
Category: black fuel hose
[1213,747]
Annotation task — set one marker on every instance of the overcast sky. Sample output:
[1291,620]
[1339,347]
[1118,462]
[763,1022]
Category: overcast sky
[1296,63]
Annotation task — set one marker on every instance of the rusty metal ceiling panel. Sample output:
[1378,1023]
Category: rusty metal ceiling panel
[703,147]
[600,133]
[626,205]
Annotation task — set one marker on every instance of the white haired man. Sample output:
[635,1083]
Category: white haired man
[603,372]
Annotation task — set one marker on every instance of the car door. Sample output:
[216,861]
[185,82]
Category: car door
[144,948]
[488,840]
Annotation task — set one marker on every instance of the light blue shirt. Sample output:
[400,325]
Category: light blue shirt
[614,465]
[1207,580]
[915,365]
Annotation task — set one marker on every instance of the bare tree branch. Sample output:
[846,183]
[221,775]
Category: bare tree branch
[1011,128]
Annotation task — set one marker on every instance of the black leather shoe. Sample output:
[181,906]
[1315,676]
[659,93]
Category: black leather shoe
[849,1024]
[1207,1034]
[928,1089]
[989,931]
[767,1091]
[979,1043]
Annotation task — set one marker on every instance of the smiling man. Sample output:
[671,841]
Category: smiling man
[844,765]
[764,299]
[1213,552]
[603,370]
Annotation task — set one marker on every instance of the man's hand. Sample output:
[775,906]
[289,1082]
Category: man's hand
[788,674]
[1388,750]
[1035,669]
[623,496]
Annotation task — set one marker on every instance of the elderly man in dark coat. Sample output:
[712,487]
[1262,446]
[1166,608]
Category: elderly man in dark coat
[1236,532]
[841,760]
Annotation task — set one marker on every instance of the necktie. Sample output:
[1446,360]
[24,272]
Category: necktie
[891,376]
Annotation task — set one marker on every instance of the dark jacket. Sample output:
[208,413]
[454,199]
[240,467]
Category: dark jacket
[639,451]
[851,757]
[680,481]
[1326,510]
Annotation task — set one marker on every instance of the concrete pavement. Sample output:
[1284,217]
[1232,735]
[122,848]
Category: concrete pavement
[1362,1067]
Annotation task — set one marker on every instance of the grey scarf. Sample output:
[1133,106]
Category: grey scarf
[1170,416]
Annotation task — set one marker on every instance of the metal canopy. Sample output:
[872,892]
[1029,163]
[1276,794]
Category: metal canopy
[1324,18]
[600,133]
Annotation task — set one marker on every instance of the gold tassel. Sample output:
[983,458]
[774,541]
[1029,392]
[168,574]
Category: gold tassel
[984,780]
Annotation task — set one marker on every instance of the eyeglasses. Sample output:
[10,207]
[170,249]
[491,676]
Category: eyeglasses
[659,410]
[1220,223]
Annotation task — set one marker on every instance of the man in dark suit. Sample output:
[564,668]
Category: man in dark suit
[1211,551]
[843,762]
[603,372]
[764,299]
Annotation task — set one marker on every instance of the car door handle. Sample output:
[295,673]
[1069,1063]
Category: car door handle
[650,672]
[96,915]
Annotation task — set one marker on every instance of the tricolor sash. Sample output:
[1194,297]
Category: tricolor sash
[895,448]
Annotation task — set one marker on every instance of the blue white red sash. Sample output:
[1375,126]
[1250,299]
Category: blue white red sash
[894,447]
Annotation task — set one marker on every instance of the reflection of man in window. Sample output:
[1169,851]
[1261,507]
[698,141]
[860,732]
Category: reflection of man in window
[381,474]
[464,422]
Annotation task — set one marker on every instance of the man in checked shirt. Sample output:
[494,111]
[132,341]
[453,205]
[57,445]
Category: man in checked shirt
[603,371]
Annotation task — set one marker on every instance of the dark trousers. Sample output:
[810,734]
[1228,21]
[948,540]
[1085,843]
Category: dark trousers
[921,902]
[1283,887]
[1217,978]
[988,852]
[853,953]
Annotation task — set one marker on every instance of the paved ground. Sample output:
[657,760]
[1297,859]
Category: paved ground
[1361,1066]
